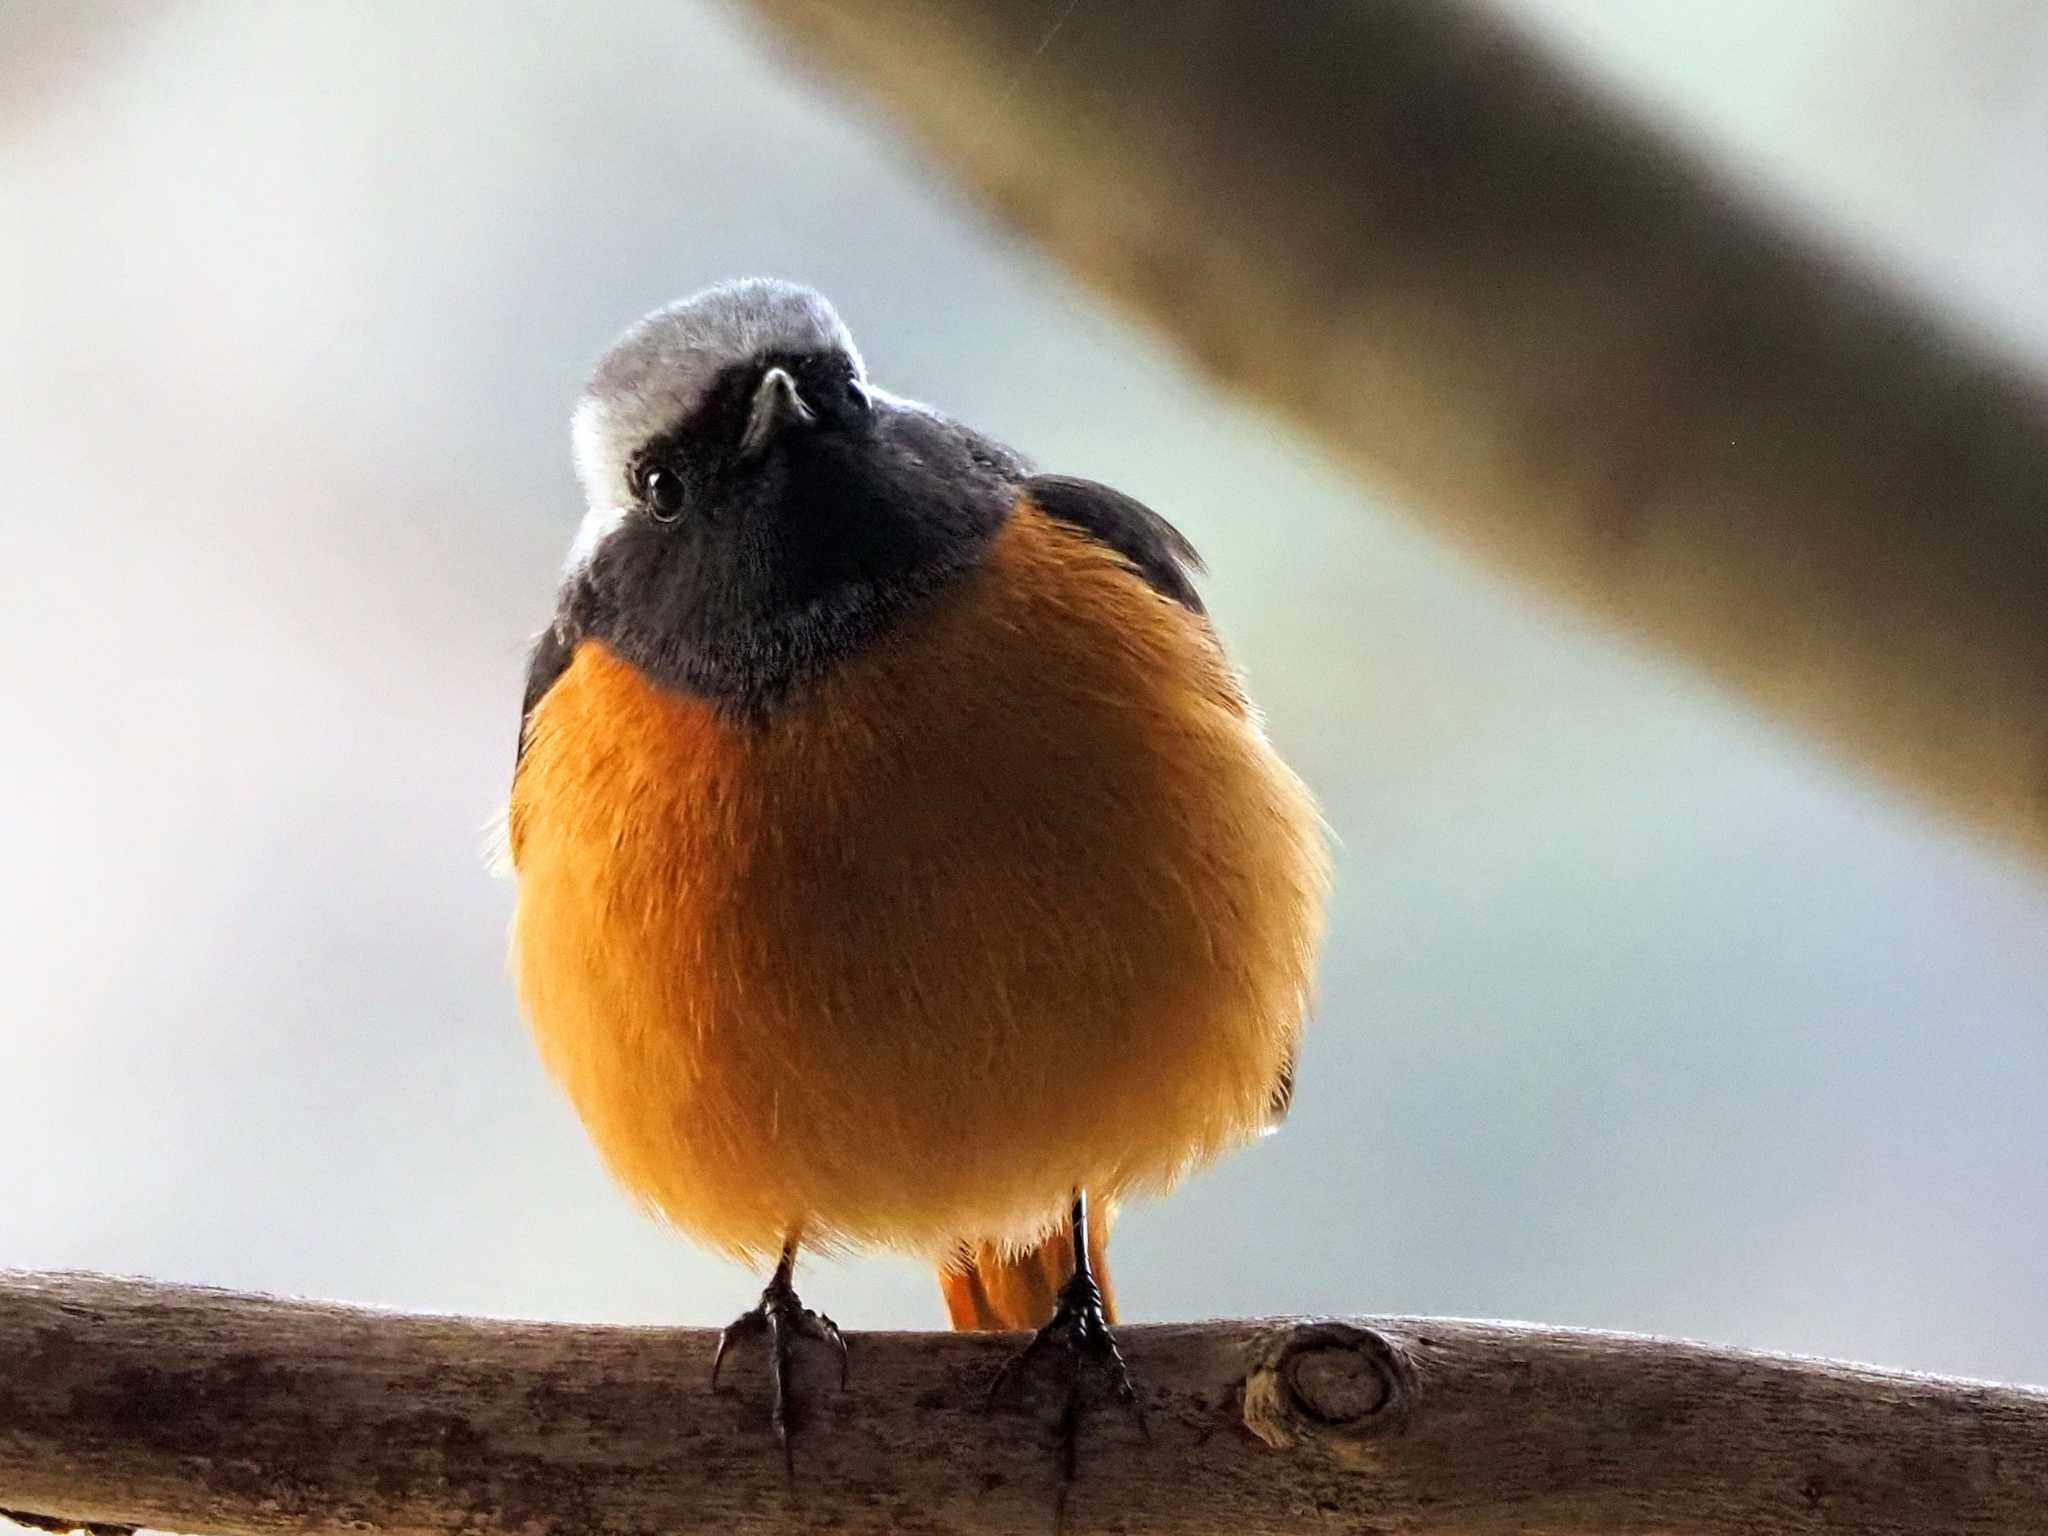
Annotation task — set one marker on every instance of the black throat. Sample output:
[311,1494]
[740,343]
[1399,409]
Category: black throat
[780,565]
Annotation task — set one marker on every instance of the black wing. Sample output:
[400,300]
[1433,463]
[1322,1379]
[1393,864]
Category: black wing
[550,659]
[1158,550]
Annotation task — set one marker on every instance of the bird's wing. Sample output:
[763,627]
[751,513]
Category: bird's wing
[1161,554]
[1156,549]
[550,659]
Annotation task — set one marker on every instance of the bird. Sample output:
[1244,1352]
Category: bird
[900,861]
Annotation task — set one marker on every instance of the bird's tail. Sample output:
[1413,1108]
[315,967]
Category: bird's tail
[990,1289]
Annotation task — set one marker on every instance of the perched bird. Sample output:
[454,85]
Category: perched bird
[899,859]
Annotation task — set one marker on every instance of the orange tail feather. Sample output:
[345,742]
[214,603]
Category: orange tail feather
[989,1290]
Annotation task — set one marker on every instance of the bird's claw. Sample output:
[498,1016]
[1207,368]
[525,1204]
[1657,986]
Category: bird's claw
[1080,1323]
[785,1319]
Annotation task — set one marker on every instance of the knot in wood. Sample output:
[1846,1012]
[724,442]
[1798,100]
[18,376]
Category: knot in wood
[1329,1381]
[1334,1384]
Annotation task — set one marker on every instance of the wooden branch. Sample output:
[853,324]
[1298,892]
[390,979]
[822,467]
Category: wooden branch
[125,1403]
[1570,345]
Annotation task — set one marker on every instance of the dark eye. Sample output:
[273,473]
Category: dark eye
[663,492]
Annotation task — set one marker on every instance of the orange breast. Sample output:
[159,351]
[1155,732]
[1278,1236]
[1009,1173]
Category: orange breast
[1016,901]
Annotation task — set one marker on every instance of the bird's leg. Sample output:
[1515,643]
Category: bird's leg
[785,1319]
[1079,1327]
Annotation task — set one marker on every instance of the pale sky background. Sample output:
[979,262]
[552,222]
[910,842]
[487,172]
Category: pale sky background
[1637,1012]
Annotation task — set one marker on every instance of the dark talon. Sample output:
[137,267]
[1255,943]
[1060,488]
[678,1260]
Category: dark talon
[838,1340]
[785,1319]
[1081,1323]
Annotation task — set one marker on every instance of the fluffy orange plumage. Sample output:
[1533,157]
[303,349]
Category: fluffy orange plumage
[1014,902]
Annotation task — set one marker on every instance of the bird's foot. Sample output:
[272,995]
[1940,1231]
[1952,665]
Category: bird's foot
[786,1320]
[1080,1332]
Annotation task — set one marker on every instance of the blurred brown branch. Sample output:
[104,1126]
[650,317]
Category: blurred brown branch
[1554,331]
[125,1403]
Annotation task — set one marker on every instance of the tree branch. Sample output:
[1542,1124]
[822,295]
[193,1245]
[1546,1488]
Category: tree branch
[126,1403]
[1566,341]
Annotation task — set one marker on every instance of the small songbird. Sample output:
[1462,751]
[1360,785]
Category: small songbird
[899,859]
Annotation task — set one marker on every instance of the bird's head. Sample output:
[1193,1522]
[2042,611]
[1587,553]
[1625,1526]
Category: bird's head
[755,509]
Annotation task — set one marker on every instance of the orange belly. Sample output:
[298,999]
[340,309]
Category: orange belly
[1016,901]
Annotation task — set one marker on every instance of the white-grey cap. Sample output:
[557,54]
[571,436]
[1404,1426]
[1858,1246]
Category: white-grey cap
[657,374]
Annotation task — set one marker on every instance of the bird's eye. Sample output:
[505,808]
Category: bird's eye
[663,491]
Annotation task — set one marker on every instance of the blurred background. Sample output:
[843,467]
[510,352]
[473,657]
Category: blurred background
[1636,1013]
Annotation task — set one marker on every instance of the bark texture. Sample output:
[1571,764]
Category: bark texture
[1550,329]
[126,1403]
